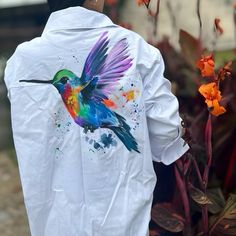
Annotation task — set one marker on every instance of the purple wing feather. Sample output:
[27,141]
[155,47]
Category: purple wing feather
[116,63]
[108,67]
[95,59]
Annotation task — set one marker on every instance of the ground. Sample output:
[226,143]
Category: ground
[13,220]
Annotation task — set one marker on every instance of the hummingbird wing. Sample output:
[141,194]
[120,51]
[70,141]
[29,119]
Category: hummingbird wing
[95,60]
[104,68]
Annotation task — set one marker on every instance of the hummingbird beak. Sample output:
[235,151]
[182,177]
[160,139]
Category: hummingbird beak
[37,81]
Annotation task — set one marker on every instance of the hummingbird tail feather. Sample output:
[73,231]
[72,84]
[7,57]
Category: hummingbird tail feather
[123,133]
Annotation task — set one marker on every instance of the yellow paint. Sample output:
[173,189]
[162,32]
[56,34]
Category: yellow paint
[130,95]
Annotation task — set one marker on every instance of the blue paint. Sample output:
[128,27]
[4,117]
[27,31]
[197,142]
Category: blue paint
[97,146]
[107,140]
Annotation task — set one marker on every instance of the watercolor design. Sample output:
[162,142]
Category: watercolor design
[87,97]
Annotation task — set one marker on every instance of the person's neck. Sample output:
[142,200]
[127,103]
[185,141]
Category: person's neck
[93,6]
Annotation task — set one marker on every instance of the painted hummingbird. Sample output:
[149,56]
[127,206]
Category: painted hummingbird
[84,96]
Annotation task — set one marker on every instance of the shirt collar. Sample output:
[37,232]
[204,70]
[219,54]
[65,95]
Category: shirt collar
[76,17]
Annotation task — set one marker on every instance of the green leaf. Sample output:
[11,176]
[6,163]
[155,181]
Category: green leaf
[164,216]
[198,196]
[225,224]
[218,201]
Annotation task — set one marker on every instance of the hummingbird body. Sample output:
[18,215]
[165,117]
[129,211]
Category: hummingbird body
[91,115]
[84,96]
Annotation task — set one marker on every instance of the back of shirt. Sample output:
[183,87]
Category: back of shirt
[90,111]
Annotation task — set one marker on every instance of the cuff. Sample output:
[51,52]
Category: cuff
[173,151]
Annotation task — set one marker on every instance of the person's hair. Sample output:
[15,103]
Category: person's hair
[56,5]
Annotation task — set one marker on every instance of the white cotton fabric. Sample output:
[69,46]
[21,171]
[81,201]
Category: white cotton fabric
[71,188]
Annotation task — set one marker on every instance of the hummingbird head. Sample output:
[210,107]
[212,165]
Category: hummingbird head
[60,80]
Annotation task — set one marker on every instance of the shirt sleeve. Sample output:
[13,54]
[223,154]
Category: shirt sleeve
[15,69]
[162,112]
[31,116]
[12,69]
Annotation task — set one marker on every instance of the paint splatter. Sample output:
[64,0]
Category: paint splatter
[108,140]
[105,142]
[129,95]
[61,122]
[76,59]
[109,103]
[58,153]
[97,146]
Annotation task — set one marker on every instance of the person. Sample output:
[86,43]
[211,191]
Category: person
[90,111]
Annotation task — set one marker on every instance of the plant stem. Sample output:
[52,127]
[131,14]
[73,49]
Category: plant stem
[208,141]
[156,18]
[183,192]
[199,19]
[235,24]
[208,137]
[198,173]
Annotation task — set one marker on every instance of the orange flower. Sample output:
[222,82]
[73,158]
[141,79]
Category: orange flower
[214,107]
[212,96]
[210,91]
[143,2]
[234,5]
[206,65]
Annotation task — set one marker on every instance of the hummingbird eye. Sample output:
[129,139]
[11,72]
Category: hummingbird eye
[64,80]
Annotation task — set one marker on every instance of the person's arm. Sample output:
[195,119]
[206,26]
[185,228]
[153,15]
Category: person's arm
[162,112]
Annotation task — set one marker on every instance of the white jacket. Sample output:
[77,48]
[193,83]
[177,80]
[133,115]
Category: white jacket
[85,142]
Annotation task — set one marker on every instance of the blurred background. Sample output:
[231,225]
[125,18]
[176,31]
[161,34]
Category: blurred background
[22,20]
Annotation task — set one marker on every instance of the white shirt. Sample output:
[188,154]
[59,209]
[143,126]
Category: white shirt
[86,141]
